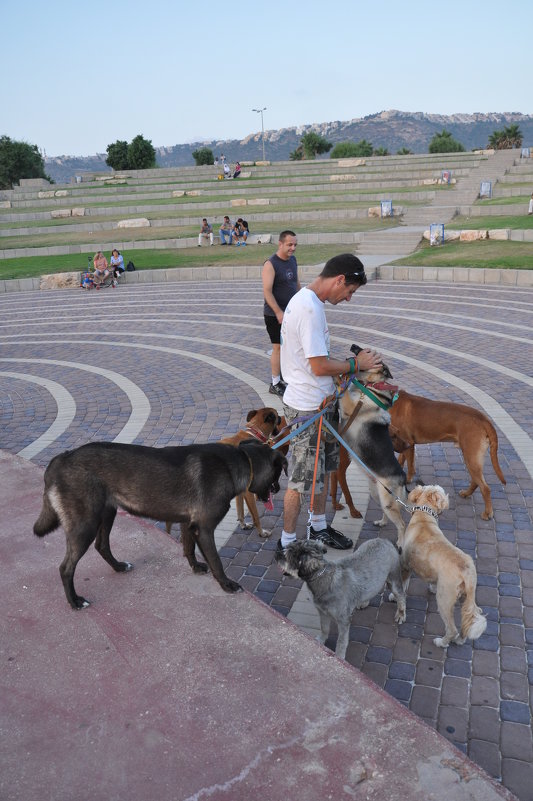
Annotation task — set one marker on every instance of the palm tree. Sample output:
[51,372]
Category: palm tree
[510,137]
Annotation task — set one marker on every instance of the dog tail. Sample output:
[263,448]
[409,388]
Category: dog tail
[473,622]
[493,445]
[48,520]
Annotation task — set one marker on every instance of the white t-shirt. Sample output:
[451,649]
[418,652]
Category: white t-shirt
[304,334]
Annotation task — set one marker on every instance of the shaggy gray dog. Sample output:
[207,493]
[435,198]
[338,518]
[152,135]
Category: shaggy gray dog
[340,587]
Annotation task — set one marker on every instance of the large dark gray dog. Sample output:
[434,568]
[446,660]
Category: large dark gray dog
[192,485]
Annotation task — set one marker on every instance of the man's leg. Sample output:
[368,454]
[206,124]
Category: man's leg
[291,510]
[275,362]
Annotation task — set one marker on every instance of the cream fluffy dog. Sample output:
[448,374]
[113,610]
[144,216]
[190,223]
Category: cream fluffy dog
[450,572]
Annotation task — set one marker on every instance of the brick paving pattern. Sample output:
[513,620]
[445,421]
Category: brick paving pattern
[183,363]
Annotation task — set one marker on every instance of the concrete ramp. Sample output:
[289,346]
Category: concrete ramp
[168,688]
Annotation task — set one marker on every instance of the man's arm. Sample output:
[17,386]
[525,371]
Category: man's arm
[268,274]
[323,365]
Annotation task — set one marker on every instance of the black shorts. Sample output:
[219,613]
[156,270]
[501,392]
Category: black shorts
[273,328]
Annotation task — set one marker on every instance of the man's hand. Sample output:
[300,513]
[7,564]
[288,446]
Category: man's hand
[368,359]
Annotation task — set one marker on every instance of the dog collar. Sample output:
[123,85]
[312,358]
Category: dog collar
[368,392]
[426,509]
[257,434]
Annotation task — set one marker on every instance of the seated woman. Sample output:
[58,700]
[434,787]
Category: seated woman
[100,268]
[237,171]
[227,171]
[117,263]
[245,230]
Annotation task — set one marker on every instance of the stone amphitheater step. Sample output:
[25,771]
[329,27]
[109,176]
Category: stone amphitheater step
[393,241]
[467,189]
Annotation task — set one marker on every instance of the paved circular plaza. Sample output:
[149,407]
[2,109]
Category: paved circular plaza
[182,363]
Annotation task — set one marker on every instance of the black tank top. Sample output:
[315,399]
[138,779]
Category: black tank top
[285,282]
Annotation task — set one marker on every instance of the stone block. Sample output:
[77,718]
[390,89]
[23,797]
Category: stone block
[258,201]
[238,202]
[475,275]
[194,192]
[385,273]
[5,204]
[61,192]
[508,277]
[178,193]
[500,233]
[430,181]
[460,275]
[472,236]
[524,278]
[343,177]
[247,163]
[492,276]
[401,273]
[260,239]
[60,281]
[430,273]
[445,274]
[44,194]
[137,222]
[78,212]
[262,164]
[246,174]
[351,162]
[451,236]
[375,211]
[60,213]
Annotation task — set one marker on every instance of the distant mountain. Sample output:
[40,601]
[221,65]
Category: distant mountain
[391,129]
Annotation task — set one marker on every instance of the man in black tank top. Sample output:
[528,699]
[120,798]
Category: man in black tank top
[280,283]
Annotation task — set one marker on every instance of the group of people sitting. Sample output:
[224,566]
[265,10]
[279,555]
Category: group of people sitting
[226,169]
[230,233]
[102,269]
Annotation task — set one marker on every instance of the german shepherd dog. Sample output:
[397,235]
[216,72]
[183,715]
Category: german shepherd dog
[368,436]
[192,485]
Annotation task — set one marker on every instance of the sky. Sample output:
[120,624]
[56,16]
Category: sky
[76,77]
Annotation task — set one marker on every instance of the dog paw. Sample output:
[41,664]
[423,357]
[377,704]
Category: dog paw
[381,522]
[231,586]
[124,567]
[355,513]
[337,506]
[263,532]
[200,567]
[486,515]
[246,526]
[80,603]
[440,642]
[400,617]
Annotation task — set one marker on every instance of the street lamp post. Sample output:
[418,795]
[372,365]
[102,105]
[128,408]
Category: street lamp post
[260,111]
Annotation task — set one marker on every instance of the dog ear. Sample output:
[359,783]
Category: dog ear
[355,349]
[438,499]
[251,413]
[415,494]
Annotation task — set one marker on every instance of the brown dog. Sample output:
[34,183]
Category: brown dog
[451,573]
[419,421]
[263,425]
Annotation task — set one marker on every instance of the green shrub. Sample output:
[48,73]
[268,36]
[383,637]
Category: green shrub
[19,160]
[445,143]
[204,155]
[349,150]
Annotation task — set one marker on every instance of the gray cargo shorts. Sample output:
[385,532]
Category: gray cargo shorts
[303,450]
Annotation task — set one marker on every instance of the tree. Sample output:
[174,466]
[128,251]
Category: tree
[141,154]
[348,150]
[297,155]
[510,137]
[445,143]
[203,155]
[380,151]
[117,155]
[19,160]
[313,144]
[404,151]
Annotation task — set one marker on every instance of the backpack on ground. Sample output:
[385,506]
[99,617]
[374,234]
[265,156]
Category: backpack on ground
[130,267]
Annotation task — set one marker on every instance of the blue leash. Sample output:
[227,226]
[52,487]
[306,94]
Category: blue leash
[345,445]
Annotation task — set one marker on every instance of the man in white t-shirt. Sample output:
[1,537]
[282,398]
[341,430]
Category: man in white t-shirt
[308,371]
